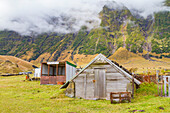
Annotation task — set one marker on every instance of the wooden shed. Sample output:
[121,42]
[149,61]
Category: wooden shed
[100,77]
[57,72]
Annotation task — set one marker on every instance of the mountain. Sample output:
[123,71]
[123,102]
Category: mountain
[119,27]
[11,64]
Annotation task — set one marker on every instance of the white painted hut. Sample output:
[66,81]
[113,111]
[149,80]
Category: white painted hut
[100,77]
[37,73]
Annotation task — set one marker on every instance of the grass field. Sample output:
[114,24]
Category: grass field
[19,96]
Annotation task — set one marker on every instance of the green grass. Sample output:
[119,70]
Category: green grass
[17,95]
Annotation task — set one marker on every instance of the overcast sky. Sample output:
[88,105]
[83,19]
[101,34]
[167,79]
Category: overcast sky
[25,16]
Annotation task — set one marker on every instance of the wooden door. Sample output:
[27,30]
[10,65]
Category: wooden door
[100,79]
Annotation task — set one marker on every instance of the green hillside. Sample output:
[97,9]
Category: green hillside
[119,28]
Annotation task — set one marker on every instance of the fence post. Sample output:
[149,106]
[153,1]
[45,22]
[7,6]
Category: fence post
[143,80]
[161,85]
[120,97]
[157,80]
[111,98]
[132,85]
[149,79]
[169,86]
[165,86]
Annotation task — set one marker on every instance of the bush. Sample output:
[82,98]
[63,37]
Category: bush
[147,89]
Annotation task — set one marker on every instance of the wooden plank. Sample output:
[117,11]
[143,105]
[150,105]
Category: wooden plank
[119,81]
[85,86]
[97,62]
[149,78]
[161,86]
[132,85]
[120,97]
[82,75]
[111,70]
[111,98]
[48,70]
[79,79]
[90,79]
[157,78]
[90,90]
[90,86]
[56,69]
[118,90]
[79,89]
[165,86]
[102,83]
[88,71]
[100,66]
[111,75]
[91,75]
[116,85]
[96,94]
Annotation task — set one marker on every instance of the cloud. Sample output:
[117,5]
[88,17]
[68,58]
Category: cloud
[65,16]
[27,16]
[145,7]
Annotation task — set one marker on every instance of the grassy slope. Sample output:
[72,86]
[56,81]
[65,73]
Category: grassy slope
[132,60]
[19,96]
[22,64]
[9,67]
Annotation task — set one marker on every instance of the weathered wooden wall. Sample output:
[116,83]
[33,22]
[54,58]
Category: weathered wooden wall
[85,83]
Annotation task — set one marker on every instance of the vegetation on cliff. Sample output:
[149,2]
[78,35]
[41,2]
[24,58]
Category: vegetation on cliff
[119,28]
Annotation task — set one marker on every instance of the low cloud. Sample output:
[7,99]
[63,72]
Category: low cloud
[145,7]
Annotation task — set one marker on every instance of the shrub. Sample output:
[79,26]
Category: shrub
[147,89]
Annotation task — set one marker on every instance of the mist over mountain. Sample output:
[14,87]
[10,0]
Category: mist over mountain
[66,16]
